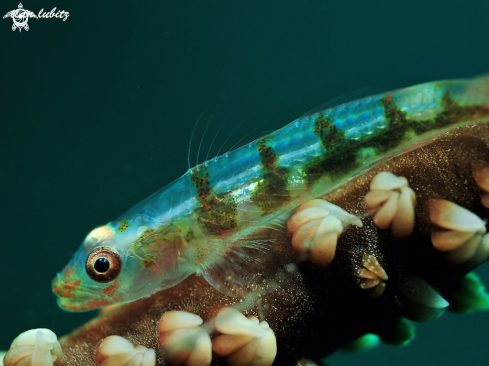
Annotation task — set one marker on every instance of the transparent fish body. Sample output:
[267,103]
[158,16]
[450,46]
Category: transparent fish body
[209,221]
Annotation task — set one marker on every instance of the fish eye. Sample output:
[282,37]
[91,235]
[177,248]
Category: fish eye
[103,264]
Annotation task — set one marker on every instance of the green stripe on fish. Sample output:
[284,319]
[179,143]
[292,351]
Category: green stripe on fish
[271,191]
[329,134]
[345,155]
[217,213]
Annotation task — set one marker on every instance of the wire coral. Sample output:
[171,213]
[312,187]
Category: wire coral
[394,244]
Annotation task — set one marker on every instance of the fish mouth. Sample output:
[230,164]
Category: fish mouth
[81,304]
[74,297]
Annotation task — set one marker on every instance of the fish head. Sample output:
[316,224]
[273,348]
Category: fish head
[115,266]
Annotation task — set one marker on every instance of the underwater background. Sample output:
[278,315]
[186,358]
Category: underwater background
[96,113]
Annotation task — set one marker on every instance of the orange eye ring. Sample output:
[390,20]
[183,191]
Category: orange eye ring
[103,264]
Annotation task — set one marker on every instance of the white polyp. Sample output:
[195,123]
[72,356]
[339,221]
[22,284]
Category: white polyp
[35,347]
[481,176]
[372,264]
[317,202]
[328,224]
[463,239]
[304,216]
[315,227]
[372,276]
[364,273]
[418,290]
[149,358]
[323,248]
[187,346]
[449,215]
[253,319]
[302,237]
[485,199]
[345,217]
[391,203]
[482,252]
[368,283]
[449,240]
[114,345]
[172,320]
[244,356]
[225,344]
[385,214]
[42,351]
[201,355]
[465,252]
[231,321]
[266,349]
[387,181]
[183,340]
[118,351]
[375,198]
[136,360]
[403,223]
[243,350]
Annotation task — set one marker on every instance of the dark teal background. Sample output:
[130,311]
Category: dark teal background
[96,114]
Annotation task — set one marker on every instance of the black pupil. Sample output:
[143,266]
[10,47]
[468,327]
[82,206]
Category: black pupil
[102,265]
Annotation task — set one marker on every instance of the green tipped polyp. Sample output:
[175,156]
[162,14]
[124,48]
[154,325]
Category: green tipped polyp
[364,343]
[400,335]
[470,295]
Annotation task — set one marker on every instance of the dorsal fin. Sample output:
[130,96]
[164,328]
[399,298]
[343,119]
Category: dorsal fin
[343,99]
